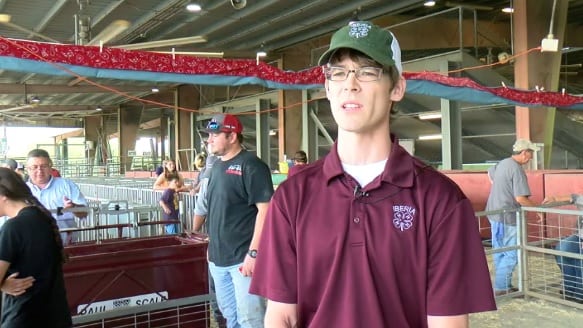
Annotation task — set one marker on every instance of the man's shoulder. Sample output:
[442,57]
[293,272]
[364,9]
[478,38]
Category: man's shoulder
[62,182]
[312,173]
[249,157]
[508,161]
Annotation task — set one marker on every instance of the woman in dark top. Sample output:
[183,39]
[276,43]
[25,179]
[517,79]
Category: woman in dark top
[30,247]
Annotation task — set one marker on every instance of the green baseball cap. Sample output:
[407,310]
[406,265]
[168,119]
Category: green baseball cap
[373,41]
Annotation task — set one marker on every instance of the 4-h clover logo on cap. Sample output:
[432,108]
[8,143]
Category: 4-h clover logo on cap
[359,29]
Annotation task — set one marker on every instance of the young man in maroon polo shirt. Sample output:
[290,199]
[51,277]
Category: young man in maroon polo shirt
[369,236]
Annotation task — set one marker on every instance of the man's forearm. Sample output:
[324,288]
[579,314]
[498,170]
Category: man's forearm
[197,222]
[80,214]
[281,315]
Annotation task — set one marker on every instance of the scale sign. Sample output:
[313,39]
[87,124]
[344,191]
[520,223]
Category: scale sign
[102,306]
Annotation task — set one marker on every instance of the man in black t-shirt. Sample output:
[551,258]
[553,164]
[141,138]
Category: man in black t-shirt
[239,191]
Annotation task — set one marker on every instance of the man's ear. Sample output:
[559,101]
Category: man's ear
[398,91]
[232,137]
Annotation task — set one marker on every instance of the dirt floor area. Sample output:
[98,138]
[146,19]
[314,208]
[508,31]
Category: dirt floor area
[518,313]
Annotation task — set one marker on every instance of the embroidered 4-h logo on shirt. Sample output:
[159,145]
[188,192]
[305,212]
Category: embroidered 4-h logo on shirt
[403,216]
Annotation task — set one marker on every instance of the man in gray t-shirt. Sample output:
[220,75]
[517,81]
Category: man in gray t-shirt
[509,191]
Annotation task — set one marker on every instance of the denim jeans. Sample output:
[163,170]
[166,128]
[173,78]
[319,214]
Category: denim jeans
[503,235]
[216,312]
[570,267]
[241,309]
[171,229]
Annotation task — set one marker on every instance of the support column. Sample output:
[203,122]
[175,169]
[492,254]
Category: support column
[92,125]
[451,129]
[294,59]
[262,128]
[187,96]
[531,24]
[129,117]
[309,129]
[163,135]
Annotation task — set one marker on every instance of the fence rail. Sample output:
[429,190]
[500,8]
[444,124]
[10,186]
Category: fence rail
[537,274]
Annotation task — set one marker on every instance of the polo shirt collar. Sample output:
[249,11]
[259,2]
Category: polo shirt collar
[32,185]
[399,170]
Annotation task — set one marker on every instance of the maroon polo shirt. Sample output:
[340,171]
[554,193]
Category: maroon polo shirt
[404,247]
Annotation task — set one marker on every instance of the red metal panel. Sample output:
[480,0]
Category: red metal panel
[476,186]
[562,183]
[116,269]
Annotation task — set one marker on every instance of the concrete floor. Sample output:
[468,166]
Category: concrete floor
[518,313]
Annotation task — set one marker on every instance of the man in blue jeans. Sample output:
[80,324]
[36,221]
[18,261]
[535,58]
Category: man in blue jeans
[238,195]
[570,267]
[509,191]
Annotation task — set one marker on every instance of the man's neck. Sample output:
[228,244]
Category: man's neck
[234,151]
[42,185]
[357,149]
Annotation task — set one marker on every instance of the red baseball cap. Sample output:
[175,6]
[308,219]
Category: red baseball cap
[224,123]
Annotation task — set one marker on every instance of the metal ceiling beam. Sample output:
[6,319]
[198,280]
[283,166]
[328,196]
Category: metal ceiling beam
[95,20]
[55,9]
[240,15]
[104,13]
[298,9]
[340,12]
[191,19]
[152,18]
[38,89]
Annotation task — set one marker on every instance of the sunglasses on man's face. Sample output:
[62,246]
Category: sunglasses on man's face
[213,126]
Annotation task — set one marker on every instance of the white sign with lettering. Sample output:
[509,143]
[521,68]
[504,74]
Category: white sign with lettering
[137,300]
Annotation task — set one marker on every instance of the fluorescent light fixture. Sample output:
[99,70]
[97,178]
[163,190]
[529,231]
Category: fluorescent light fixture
[508,10]
[430,116]
[429,3]
[193,7]
[111,31]
[430,137]
[163,43]
[155,90]
[5,18]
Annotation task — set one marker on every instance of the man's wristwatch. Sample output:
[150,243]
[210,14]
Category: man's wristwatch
[252,253]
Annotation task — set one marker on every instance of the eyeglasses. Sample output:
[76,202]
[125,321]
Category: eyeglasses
[363,74]
[36,167]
